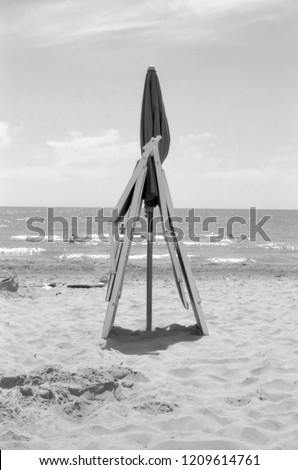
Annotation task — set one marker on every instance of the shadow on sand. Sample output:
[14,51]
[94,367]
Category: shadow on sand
[149,342]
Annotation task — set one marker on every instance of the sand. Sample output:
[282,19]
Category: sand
[63,387]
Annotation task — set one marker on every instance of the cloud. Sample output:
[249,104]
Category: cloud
[102,152]
[195,139]
[79,169]
[206,7]
[197,158]
[63,22]
[194,152]
[78,141]
[253,175]
[285,158]
[5,137]
[78,156]
[31,174]
[246,174]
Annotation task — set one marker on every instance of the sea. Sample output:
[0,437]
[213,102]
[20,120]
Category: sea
[258,236]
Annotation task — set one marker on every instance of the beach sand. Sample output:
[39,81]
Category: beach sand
[63,387]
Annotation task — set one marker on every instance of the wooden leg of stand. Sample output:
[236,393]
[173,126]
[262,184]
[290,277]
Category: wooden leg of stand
[113,271]
[164,217]
[186,270]
[149,270]
[124,254]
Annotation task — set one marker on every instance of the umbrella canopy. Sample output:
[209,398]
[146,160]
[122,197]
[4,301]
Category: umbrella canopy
[153,123]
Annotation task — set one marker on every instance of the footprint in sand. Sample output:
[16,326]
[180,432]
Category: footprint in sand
[249,381]
[183,373]
[155,407]
[262,369]
[12,436]
[238,402]
[252,436]
[273,397]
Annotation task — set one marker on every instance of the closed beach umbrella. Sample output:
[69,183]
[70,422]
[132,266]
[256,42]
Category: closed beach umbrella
[153,123]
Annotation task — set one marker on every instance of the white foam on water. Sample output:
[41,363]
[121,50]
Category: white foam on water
[107,256]
[144,256]
[55,238]
[20,237]
[227,260]
[83,255]
[36,238]
[195,243]
[224,242]
[21,251]
[278,246]
[92,242]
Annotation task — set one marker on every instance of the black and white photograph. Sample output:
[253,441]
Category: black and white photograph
[149,228]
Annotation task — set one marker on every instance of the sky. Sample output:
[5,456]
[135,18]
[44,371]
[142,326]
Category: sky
[71,84]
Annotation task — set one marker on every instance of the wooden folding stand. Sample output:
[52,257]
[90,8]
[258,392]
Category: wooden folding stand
[130,203]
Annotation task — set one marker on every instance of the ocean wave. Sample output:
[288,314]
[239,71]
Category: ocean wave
[32,239]
[210,234]
[10,212]
[107,256]
[224,242]
[55,238]
[94,240]
[230,260]
[144,256]
[24,238]
[21,251]
[159,240]
[278,246]
[83,255]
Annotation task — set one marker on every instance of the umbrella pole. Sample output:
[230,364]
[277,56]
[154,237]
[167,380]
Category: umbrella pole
[149,211]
